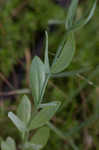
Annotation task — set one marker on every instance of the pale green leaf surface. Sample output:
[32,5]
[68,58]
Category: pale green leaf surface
[71,14]
[47,104]
[86,18]
[24,110]
[9,144]
[46,58]
[5,146]
[37,78]
[66,55]
[43,116]
[41,137]
[69,73]
[60,48]
[31,146]
[17,122]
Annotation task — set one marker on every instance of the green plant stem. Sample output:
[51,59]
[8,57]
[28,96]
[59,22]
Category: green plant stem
[25,137]
[44,87]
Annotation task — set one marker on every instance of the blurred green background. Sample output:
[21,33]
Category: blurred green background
[22,27]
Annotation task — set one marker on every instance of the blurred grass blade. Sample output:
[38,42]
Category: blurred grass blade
[17,122]
[43,116]
[86,123]
[66,55]
[62,135]
[46,59]
[71,14]
[24,110]
[41,137]
[85,19]
[37,79]
[77,91]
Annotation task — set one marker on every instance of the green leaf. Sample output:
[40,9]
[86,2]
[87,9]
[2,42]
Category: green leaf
[9,144]
[37,78]
[85,19]
[60,48]
[5,146]
[24,110]
[17,122]
[46,59]
[47,104]
[31,146]
[66,55]
[41,137]
[71,14]
[44,115]
[69,73]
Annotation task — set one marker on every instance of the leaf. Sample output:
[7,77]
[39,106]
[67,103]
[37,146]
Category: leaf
[60,48]
[46,59]
[9,144]
[24,110]
[66,55]
[31,146]
[17,122]
[5,146]
[41,137]
[71,14]
[47,104]
[44,116]
[10,141]
[37,79]
[69,73]
[85,19]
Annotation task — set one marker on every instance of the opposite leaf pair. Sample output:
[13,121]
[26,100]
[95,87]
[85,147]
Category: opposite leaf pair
[9,144]
[40,72]
[37,142]
[25,122]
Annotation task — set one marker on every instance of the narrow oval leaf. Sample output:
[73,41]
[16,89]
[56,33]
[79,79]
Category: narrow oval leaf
[46,58]
[71,14]
[37,78]
[9,144]
[5,146]
[44,116]
[10,141]
[66,55]
[41,137]
[85,19]
[60,48]
[17,122]
[47,104]
[24,110]
[69,73]
[31,146]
